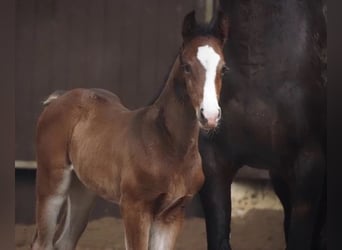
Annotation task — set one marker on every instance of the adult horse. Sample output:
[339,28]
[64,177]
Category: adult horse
[146,160]
[273,116]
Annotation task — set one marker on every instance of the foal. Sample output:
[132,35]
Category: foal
[146,160]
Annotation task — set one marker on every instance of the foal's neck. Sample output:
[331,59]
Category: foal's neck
[176,115]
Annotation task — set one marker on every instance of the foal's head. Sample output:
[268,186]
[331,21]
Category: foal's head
[202,66]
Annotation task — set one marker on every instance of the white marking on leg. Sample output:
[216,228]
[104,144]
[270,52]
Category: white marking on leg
[64,185]
[162,236]
[79,204]
[51,212]
[209,60]
[53,206]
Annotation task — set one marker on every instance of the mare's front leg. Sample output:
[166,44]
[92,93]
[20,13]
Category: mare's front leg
[309,180]
[215,195]
[137,218]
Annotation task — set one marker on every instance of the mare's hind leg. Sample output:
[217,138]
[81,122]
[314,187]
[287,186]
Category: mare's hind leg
[79,204]
[281,187]
[309,180]
[215,196]
[320,234]
[51,188]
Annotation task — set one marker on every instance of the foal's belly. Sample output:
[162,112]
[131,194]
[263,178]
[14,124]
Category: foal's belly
[98,159]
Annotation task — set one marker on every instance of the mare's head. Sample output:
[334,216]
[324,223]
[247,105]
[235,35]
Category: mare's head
[202,66]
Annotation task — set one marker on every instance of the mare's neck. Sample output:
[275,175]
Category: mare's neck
[176,117]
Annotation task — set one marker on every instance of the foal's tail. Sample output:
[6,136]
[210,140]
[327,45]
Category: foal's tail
[53,97]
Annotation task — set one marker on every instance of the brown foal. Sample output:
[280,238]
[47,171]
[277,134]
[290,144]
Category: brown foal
[145,160]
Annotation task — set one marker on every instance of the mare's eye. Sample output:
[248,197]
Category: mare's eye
[224,70]
[187,68]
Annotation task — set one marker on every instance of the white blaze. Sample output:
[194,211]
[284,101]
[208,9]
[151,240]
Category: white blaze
[209,59]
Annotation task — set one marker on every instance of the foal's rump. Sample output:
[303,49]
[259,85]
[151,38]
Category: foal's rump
[78,128]
[63,110]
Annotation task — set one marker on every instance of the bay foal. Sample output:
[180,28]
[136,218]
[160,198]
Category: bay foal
[146,160]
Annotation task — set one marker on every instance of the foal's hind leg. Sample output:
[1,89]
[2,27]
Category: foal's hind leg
[51,187]
[79,205]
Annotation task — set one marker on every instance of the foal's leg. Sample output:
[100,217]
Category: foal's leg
[309,176]
[51,187]
[215,196]
[137,218]
[165,230]
[79,205]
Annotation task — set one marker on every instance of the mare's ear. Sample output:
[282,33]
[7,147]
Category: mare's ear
[220,26]
[189,26]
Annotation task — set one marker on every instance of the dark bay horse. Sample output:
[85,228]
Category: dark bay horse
[273,116]
[146,160]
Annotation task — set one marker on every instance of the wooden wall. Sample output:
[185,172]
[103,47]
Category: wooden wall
[125,46]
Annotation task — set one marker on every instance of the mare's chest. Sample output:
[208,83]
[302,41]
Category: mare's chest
[256,129]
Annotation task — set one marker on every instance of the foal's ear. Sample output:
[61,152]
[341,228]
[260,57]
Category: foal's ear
[220,26]
[189,26]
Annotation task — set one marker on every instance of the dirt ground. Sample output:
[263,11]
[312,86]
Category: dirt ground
[257,230]
[256,225]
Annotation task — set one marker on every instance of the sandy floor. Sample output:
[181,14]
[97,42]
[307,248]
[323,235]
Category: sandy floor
[256,225]
[257,230]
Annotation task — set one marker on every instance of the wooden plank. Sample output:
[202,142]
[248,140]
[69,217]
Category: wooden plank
[60,48]
[43,50]
[129,45]
[24,54]
[25,165]
[95,35]
[41,83]
[111,54]
[78,16]
[148,86]
[168,39]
